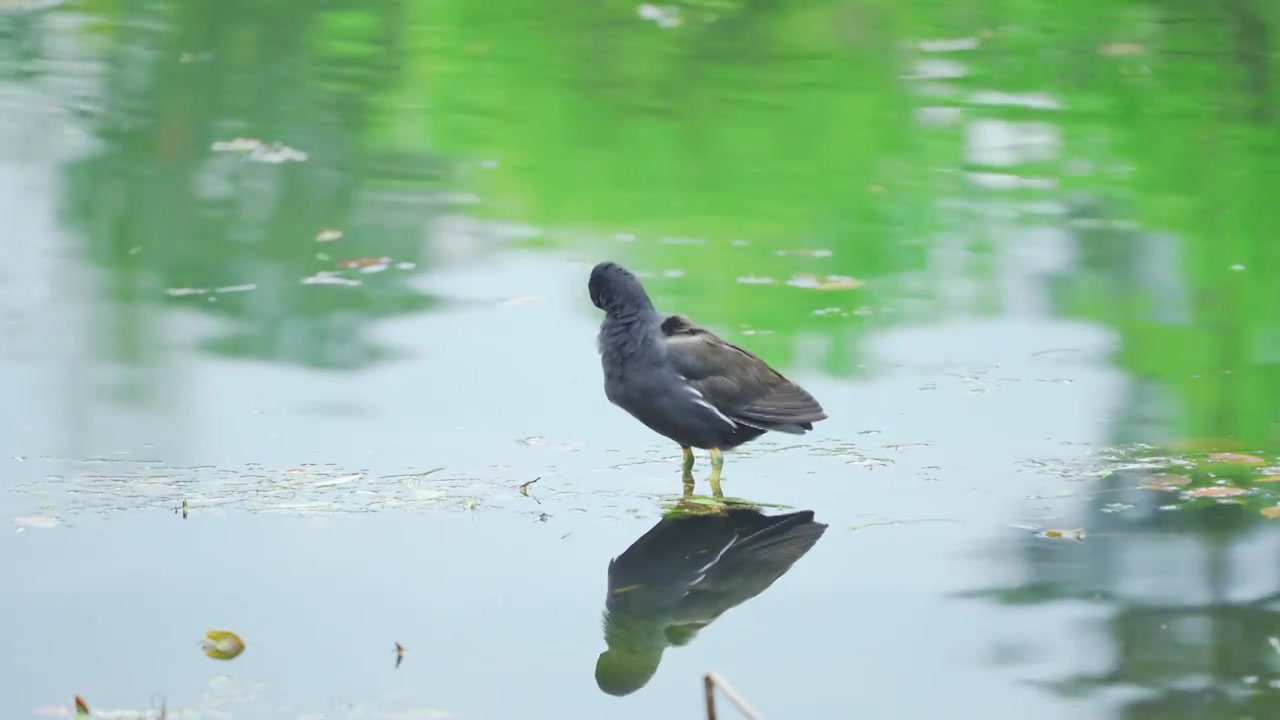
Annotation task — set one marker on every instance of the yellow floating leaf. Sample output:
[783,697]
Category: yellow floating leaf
[1237,458]
[1271,511]
[1267,479]
[1217,491]
[222,644]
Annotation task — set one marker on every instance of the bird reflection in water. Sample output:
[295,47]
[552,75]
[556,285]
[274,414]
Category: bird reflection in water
[685,572]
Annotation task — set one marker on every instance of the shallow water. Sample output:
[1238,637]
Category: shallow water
[298,390]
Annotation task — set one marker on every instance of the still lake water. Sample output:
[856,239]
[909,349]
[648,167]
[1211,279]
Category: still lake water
[319,272]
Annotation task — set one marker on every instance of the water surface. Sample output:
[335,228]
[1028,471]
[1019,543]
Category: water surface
[319,273]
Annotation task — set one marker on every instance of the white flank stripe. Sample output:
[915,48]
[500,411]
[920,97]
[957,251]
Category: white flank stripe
[719,414]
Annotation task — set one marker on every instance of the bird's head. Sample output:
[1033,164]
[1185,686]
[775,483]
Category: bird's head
[616,289]
[621,673]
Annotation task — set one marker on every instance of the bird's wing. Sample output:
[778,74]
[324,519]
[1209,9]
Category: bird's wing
[737,383]
[752,564]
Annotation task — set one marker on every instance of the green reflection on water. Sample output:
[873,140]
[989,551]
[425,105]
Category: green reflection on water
[769,140]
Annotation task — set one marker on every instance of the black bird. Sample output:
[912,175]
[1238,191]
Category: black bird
[684,382]
[682,575]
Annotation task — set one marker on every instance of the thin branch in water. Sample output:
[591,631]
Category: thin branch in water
[710,682]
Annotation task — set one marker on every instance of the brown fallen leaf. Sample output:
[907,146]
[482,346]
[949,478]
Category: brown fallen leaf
[1271,511]
[82,708]
[1217,491]
[1237,458]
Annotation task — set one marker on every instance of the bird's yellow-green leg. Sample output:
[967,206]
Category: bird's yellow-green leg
[717,464]
[688,463]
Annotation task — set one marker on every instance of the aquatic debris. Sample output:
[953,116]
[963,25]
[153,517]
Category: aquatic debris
[341,480]
[1076,534]
[948,44]
[666,16]
[1122,49]
[400,651]
[810,253]
[43,522]
[187,291]
[1217,491]
[1271,511]
[1168,482]
[328,235]
[366,264]
[1267,479]
[327,277]
[258,151]
[1237,458]
[830,282]
[886,523]
[222,644]
[82,708]
[710,682]
[756,280]
[524,489]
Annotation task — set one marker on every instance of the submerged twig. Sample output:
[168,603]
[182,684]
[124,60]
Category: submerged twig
[710,682]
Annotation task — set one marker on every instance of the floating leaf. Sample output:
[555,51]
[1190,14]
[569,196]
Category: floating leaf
[1271,511]
[1217,491]
[222,644]
[82,708]
[328,235]
[1268,479]
[1166,481]
[1237,458]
